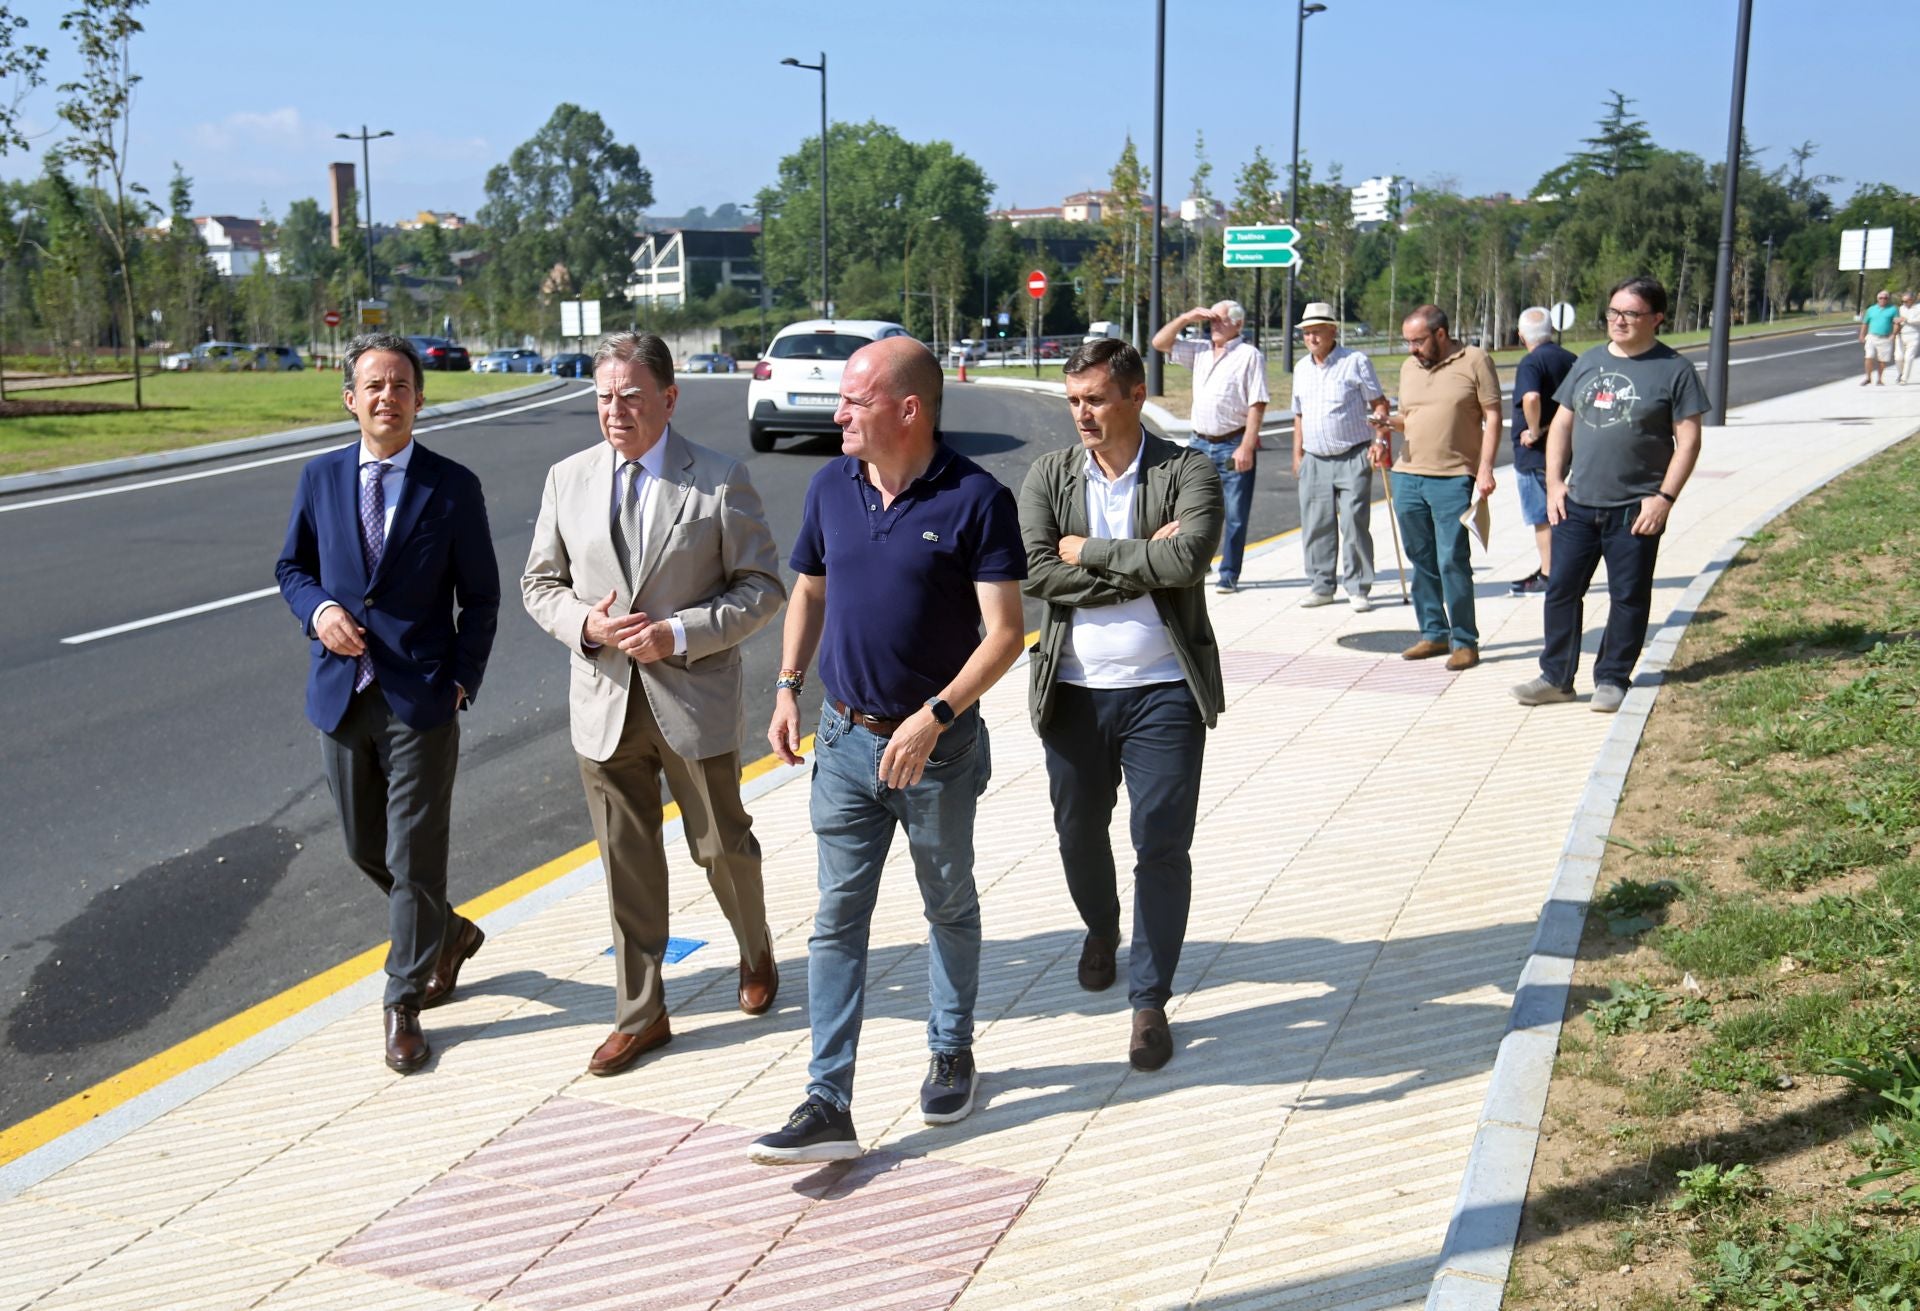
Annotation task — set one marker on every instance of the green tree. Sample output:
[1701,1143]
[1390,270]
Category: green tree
[1256,199]
[70,284]
[183,284]
[1114,276]
[1620,144]
[21,66]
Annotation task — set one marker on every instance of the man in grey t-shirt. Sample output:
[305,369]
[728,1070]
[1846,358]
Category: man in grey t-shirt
[1629,425]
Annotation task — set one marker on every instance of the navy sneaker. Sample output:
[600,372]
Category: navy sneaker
[947,1094]
[1534,584]
[816,1131]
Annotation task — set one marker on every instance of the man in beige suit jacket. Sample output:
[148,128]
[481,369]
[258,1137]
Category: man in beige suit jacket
[651,563]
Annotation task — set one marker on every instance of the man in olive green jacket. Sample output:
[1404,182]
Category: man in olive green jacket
[1119,531]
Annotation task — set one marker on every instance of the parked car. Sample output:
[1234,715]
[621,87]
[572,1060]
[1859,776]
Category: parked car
[1106,328]
[211,357]
[439,353]
[1049,349]
[517,360]
[796,384]
[571,365]
[709,363]
[967,349]
[275,359]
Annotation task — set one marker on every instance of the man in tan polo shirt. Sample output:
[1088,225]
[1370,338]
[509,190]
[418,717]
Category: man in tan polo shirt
[1450,415]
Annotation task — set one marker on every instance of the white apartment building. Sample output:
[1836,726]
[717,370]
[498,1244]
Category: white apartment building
[1375,198]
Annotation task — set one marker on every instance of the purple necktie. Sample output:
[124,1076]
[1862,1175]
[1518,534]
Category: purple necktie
[373,539]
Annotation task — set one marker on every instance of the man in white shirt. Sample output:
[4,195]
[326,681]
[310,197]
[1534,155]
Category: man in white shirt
[1907,336]
[1229,403]
[1334,389]
[1126,675]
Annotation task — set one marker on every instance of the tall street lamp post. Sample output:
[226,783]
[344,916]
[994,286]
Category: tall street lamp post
[826,305]
[1155,365]
[906,268]
[366,186]
[1305,11]
[1729,198]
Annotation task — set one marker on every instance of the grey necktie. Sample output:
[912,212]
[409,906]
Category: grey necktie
[630,529]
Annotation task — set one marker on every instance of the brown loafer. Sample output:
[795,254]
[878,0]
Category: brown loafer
[1152,1044]
[457,946]
[759,985]
[1463,657]
[407,1048]
[1096,963]
[1424,650]
[622,1049]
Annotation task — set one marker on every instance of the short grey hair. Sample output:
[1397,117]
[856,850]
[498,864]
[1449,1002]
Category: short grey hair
[1236,312]
[1536,325]
[647,348]
[382,341]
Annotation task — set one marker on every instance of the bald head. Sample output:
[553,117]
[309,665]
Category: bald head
[901,367]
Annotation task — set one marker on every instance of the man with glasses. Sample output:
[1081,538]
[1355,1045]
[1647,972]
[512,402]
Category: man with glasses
[1629,425]
[1876,336]
[1450,415]
[651,563]
[1229,404]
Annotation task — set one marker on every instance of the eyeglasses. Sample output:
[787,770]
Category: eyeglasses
[1417,342]
[1627,316]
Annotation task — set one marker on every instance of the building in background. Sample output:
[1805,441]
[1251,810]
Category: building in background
[235,246]
[1202,212]
[1375,200]
[444,219]
[340,195]
[677,265]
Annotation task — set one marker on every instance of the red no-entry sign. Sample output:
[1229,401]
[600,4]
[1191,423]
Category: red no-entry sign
[331,318]
[1036,284]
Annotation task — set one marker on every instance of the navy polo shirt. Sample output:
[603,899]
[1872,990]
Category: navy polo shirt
[902,616]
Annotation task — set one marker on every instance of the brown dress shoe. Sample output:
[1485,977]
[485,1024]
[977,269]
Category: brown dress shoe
[1424,650]
[407,1048]
[457,946]
[759,985]
[1463,657]
[1096,963]
[622,1049]
[1152,1045]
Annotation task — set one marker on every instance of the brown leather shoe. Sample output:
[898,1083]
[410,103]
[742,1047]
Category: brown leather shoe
[1096,963]
[1152,1045]
[1424,650]
[759,985]
[1463,657]
[457,946]
[622,1049]
[407,1048]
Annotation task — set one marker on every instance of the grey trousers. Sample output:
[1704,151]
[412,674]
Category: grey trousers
[1336,511]
[623,800]
[393,787]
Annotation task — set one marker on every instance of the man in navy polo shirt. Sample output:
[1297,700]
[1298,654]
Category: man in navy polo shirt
[923,548]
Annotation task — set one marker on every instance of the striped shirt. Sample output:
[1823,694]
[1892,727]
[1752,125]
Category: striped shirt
[1331,401]
[1226,385]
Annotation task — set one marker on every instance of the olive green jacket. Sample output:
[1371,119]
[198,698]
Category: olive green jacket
[1175,483]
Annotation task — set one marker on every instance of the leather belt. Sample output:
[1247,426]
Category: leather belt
[1229,437]
[878,725]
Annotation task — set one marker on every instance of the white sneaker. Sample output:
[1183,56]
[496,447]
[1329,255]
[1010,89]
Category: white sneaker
[1317,599]
[1360,603]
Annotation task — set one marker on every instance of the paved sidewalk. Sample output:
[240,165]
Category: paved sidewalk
[1375,842]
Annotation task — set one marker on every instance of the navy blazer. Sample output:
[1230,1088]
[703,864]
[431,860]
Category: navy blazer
[438,551]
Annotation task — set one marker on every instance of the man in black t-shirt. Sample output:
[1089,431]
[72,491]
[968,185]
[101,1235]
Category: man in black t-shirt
[1541,371]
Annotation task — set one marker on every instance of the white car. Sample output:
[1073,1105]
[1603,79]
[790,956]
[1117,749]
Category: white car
[796,384]
[967,349]
[211,357]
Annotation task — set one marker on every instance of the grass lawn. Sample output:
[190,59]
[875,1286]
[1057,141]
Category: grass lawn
[1734,1119]
[187,409]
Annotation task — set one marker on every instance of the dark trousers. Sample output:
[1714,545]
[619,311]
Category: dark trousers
[1152,737]
[1586,536]
[393,787]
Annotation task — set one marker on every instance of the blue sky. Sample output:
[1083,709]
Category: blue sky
[1489,93]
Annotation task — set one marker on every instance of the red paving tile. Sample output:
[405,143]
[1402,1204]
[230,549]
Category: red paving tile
[468,1235]
[578,1147]
[638,1261]
[809,1277]
[1251,666]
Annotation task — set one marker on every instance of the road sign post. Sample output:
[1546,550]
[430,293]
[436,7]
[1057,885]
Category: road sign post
[373,313]
[1263,245]
[1862,249]
[1036,288]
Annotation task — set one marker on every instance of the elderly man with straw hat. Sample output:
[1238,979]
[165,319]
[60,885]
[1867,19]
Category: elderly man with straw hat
[1334,389]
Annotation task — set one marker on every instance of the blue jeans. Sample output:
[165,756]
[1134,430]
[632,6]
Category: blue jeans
[1580,541]
[1237,487]
[1429,510]
[1154,738]
[854,816]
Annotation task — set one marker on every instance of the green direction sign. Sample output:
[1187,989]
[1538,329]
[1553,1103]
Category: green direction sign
[1263,246]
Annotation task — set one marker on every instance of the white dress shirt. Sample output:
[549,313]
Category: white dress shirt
[392,479]
[1124,645]
[1226,384]
[648,475]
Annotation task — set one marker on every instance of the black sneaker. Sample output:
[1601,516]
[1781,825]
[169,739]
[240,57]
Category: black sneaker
[947,1094]
[1532,585]
[816,1131]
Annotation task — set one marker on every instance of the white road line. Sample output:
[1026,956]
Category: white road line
[169,616]
[304,454]
[1778,355]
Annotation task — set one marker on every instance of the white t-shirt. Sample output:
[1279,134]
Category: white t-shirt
[1910,322]
[1124,645]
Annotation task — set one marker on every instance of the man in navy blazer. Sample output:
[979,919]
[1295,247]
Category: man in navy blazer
[386,538]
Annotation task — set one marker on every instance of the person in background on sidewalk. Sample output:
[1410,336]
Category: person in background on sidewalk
[1542,369]
[1126,676]
[1229,404]
[1876,336]
[651,563]
[1334,388]
[386,537]
[1629,424]
[1909,340]
[905,549]
[1450,415]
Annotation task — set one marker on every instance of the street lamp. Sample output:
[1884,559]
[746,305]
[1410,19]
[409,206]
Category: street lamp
[826,305]
[1717,348]
[366,187]
[1155,380]
[1306,11]
[906,254]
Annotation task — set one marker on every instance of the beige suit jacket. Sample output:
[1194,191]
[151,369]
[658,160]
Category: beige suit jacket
[709,560]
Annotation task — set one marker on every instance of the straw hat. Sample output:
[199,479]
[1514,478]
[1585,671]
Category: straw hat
[1317,313]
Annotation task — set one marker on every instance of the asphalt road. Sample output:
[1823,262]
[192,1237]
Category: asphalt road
[170,855]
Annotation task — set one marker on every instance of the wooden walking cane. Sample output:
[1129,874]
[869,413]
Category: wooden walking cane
[1393,520]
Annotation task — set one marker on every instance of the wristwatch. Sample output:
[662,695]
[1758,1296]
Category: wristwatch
[942,712]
